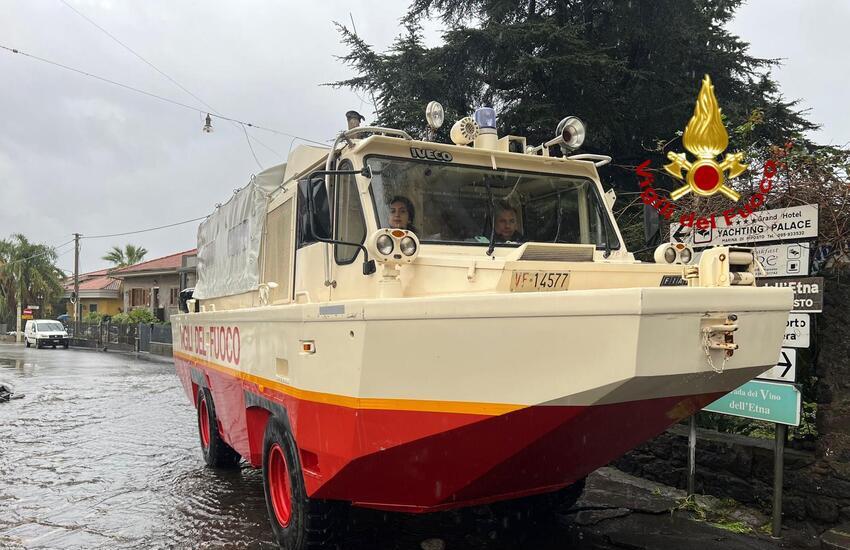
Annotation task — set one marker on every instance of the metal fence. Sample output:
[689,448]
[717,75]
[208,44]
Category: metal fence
[161,334]
[105,335]
[124,337]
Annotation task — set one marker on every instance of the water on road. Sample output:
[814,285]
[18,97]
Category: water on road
[103,452]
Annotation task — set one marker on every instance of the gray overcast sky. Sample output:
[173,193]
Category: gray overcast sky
[81,155]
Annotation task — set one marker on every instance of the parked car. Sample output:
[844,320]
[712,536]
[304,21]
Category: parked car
[43,332]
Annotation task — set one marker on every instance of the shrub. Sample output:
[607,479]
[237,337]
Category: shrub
[93,317]
[142,316]
[134,317]
[120,319]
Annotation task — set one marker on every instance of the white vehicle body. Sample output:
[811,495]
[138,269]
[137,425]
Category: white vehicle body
[45,332]
[468,371]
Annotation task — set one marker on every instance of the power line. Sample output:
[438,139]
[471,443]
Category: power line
[170,79]
[143,230]
[155,96]
[251,147]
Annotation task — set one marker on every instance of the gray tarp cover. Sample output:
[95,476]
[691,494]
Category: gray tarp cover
[229,240]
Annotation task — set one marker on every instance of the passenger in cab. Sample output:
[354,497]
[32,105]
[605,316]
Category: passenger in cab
[402,213]
[507,225]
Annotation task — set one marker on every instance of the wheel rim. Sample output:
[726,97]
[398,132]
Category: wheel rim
[204,422]
[279,486]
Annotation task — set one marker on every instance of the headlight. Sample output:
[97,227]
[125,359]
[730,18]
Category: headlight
[384,244]
[686,255]
[670,255]
[408,246]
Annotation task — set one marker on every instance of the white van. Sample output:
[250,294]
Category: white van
[44,332]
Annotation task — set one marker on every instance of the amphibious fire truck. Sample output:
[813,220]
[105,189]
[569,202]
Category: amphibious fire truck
[416,326]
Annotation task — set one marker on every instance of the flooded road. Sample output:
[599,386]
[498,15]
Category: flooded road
[102,452]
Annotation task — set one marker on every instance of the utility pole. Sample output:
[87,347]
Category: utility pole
[77,308]
[19,298]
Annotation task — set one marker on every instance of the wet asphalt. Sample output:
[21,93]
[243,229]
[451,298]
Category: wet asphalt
[102,452]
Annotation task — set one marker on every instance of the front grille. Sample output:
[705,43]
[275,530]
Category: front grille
[558,253]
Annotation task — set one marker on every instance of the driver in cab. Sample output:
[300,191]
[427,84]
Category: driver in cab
[506,225]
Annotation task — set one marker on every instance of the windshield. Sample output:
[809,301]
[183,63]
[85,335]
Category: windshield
[50,326]
[446,203]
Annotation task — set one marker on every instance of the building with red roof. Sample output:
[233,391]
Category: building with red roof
[156,284]
[98,293]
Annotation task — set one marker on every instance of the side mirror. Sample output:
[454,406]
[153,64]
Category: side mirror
[651,226]
[318,215]
[183,299]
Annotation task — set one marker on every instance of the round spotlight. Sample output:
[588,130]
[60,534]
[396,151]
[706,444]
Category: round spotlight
[434,115]
[686,255]
[385,244]
[408,246]
[670,255]
[572,130]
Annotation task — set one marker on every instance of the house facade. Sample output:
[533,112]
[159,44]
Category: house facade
[156,284]
[99,292]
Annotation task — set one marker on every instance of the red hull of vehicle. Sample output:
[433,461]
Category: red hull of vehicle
[423,461]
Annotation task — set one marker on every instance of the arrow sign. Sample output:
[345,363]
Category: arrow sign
[681,234]
[785,369]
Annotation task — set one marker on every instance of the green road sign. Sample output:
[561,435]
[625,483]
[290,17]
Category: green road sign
[760,400]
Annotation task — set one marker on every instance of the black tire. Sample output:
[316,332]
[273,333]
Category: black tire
[66,345]
[309,523]
[540,511]
[54,346]
[27,340]
[217,453]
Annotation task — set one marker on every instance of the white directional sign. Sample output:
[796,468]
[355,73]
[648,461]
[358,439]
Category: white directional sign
[785,369]
[780,224]
[797,330]
[784,260]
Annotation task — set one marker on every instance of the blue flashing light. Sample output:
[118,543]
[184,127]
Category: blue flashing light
[485,117]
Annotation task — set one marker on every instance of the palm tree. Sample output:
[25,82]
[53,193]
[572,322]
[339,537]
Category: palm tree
[122,258]
[28,275]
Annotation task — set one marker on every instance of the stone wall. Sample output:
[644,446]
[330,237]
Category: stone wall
[740,467]
[833,372]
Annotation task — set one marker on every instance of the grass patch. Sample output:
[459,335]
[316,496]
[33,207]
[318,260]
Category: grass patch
[718,517]
[734,526]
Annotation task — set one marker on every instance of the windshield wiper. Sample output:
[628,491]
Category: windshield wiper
[602,220]
[492,245]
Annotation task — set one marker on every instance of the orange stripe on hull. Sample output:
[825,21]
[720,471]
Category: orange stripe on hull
[364,403]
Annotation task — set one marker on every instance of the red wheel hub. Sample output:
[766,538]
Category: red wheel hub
[280,488]
[706,177]
[204,423]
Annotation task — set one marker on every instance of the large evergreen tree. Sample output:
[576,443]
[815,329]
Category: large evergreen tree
[630,69]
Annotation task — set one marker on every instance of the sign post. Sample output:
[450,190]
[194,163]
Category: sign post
[778,474]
